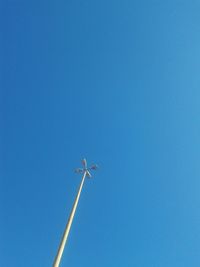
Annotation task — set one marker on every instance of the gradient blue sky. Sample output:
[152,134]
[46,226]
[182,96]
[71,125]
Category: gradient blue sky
[117,82]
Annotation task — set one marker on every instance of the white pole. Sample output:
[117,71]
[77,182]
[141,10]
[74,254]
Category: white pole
[68,226]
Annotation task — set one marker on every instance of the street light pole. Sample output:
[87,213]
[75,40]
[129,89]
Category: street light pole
[85,172]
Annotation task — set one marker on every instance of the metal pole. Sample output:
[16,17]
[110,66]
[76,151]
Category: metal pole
[68,226]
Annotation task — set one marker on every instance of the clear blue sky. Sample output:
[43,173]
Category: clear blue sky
[117,82]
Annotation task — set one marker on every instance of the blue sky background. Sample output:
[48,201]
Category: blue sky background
[117,82]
